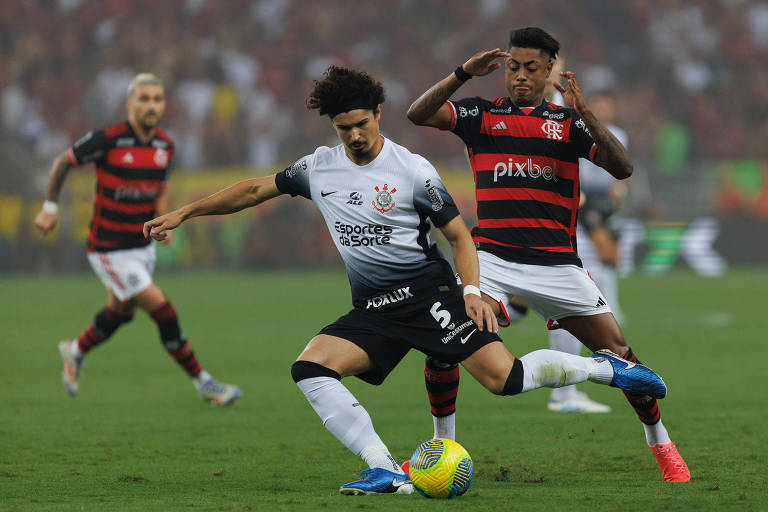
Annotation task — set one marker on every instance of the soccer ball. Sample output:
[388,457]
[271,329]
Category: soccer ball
[441,468]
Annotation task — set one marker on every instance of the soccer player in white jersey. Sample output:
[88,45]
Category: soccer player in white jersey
[378,200]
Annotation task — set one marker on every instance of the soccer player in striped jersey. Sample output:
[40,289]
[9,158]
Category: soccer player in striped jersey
[379,201]
[132,162]
[524,153]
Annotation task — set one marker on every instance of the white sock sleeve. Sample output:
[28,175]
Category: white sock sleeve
[553,369]
[656,434]
[345,418]
[563,341]
[445,426]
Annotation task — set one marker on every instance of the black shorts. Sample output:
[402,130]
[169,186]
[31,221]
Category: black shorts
[434,321]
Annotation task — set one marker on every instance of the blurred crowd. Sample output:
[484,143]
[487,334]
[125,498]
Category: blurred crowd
[692,75]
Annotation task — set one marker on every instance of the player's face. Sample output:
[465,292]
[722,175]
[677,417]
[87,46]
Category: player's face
[526,72]
[358,130]
[146,105]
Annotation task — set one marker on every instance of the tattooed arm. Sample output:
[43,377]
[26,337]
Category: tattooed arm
[610,154]
[431,110]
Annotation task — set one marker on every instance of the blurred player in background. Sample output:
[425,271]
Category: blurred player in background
[597,231]
[378,200]
[524,152]
[132,161]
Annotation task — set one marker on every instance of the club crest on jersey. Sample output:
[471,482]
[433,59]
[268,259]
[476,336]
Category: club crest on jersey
[552,129]
[161,157]
[383,201]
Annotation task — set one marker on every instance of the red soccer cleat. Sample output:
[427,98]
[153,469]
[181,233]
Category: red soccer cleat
[673,467]
[406,466]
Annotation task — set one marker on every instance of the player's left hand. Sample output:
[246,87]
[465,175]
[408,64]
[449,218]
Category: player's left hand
[572,96]
[159,228]
[481,313]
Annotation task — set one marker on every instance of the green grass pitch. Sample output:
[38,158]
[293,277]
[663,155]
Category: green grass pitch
[138,438]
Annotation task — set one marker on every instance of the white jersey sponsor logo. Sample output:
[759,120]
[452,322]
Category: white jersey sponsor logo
[389,298]
[448,337]
[434,196]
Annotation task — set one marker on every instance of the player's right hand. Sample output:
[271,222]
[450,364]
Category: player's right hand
[45,222]
[481,313]
[156,228]
[482,63]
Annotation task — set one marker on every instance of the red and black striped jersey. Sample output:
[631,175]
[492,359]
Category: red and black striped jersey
[526,177]
[130,174]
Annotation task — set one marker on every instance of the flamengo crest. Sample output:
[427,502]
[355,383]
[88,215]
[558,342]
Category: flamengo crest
[161,157]
[553,129]
[383,201]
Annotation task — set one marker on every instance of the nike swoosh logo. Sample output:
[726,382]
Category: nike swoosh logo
[327,193]
[465,338]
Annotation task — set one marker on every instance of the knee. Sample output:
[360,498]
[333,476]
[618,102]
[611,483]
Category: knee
[513,384]
[124,309]
[495,384]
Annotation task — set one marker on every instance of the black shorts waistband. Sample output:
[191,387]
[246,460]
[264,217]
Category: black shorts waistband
[407,296]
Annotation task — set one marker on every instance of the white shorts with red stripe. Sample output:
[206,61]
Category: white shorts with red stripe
[126,272]
[552,292]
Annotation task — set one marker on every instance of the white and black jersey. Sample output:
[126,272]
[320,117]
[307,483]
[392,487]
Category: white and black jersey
[378,215]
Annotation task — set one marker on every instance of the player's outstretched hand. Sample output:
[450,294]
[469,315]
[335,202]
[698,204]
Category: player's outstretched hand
[156,228]
[482,63]
[572,96]
[481,313]
[45,222]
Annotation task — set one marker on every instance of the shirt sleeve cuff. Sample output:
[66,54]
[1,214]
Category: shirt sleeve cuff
[71,157]
[453,116]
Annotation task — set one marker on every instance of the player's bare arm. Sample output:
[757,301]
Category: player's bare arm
[610,153]
[48,217]
[232,199]
[430,108]
[468,268]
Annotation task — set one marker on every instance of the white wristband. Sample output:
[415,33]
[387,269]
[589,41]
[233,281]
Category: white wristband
[474,290]
[50,207]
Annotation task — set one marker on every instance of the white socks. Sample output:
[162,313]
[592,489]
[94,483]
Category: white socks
[656,434]
[200,379]
[553,369]
[75,349]
[347,420]
[378,456]
[445,426]
[563,341]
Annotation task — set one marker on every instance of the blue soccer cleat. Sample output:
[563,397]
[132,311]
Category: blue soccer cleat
[633,377]
[378,481]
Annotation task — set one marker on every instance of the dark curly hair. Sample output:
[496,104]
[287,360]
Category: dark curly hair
[534,37]
[343,89]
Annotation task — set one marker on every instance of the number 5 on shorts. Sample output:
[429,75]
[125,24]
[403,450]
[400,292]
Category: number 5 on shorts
[442,317]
